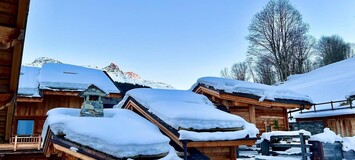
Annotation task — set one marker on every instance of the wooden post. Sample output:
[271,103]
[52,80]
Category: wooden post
[265,146]
[303,147]
[184,143]
[252,114]
[233,152]
[39,142]
[15,144]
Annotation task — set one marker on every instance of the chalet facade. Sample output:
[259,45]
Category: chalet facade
[52,86]
[250,101]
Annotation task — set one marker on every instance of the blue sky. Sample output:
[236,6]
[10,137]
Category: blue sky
[173,41]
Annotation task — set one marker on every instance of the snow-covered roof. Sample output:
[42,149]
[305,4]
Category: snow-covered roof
[265,92]
[187,110]
[70,77]
[28,84]
[121,133]
[329,83]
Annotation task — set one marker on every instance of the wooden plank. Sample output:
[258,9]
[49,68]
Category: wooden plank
[72,153]
[7,20]
[5,57]
[222,143]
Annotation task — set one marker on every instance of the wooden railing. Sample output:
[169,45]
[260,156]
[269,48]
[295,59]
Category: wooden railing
[329,106]
[30,142]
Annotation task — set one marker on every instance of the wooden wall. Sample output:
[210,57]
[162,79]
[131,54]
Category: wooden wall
[264,116]
[342,126]
[37,110]
[220,153]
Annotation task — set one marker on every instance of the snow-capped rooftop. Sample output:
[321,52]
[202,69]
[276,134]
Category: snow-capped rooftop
[121,133]
[185,110]
[70,77]
[263,91]
[28,83]
[329,83]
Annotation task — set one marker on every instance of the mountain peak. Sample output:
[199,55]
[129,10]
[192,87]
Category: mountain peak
[132,75]
[112,68]
[38,62]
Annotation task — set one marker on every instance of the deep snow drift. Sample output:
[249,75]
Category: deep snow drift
[329,83]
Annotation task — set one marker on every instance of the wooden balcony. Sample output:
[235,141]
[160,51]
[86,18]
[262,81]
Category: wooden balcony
[23,143]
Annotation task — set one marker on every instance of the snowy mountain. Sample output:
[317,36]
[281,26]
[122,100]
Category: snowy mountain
[38,62]
[112,70]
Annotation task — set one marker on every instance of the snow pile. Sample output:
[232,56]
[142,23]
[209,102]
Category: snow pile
[267,135]
[348,143]
[187,110]
[329,83]
[70,77]
[265,92]
[327,136]
[120,133]
[28,83]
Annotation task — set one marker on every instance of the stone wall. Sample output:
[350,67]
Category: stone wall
[314,127]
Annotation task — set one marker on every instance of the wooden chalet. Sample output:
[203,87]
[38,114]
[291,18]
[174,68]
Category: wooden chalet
[267,115]
[216,149]
[13,19]
[32,109]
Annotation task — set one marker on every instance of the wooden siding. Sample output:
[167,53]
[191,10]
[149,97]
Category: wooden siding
[37,110]
[345,127]
[263,116]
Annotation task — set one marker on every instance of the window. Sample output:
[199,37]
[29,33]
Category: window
[25,127]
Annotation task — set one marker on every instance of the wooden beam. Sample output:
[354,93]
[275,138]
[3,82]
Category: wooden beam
[222,143]
[252,114]
[72,153]
[29,99]
[131,104]
[22,12]
[115,95]
[239,100]
[61,93]
[205,90]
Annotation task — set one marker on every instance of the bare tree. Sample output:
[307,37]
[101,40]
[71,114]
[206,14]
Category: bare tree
[265,72]
[332,49]
[278,34]
[225,73]
[239,71]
